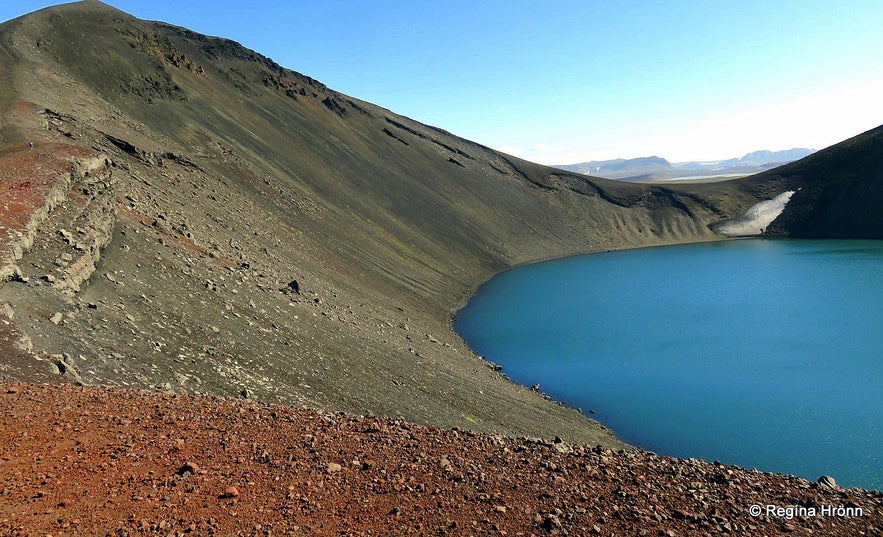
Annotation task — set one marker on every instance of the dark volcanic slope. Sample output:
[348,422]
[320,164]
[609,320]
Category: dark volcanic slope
[180,185]
[839,191]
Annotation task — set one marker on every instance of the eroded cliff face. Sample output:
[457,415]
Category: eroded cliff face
[195,181]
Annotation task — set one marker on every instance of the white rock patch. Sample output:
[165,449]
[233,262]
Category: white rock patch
[757,217]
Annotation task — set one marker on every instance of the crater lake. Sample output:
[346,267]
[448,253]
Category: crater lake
[761,353]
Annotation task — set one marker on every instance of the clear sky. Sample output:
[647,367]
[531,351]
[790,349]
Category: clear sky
[566,81]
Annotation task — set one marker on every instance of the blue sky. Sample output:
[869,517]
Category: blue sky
[566,81]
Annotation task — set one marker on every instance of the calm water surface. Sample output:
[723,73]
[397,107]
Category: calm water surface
[766,354]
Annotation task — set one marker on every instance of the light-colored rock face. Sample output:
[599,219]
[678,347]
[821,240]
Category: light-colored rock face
[756,219]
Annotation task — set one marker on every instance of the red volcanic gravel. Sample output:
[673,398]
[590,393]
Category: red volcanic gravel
[98,461]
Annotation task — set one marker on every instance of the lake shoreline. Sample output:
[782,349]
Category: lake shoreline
[493,365]
[452,318]
[543,374]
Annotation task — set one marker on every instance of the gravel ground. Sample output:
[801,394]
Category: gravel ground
[95,461]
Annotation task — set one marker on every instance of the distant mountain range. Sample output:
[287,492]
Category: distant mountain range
[659,169]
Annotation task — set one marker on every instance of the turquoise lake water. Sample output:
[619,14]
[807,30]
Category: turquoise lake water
[767,354]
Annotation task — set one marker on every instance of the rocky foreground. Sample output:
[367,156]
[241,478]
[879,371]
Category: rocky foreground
[96,461]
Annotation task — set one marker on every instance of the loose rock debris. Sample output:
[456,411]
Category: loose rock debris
[95,461]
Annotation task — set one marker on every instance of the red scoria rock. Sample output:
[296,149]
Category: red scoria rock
[116,468]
